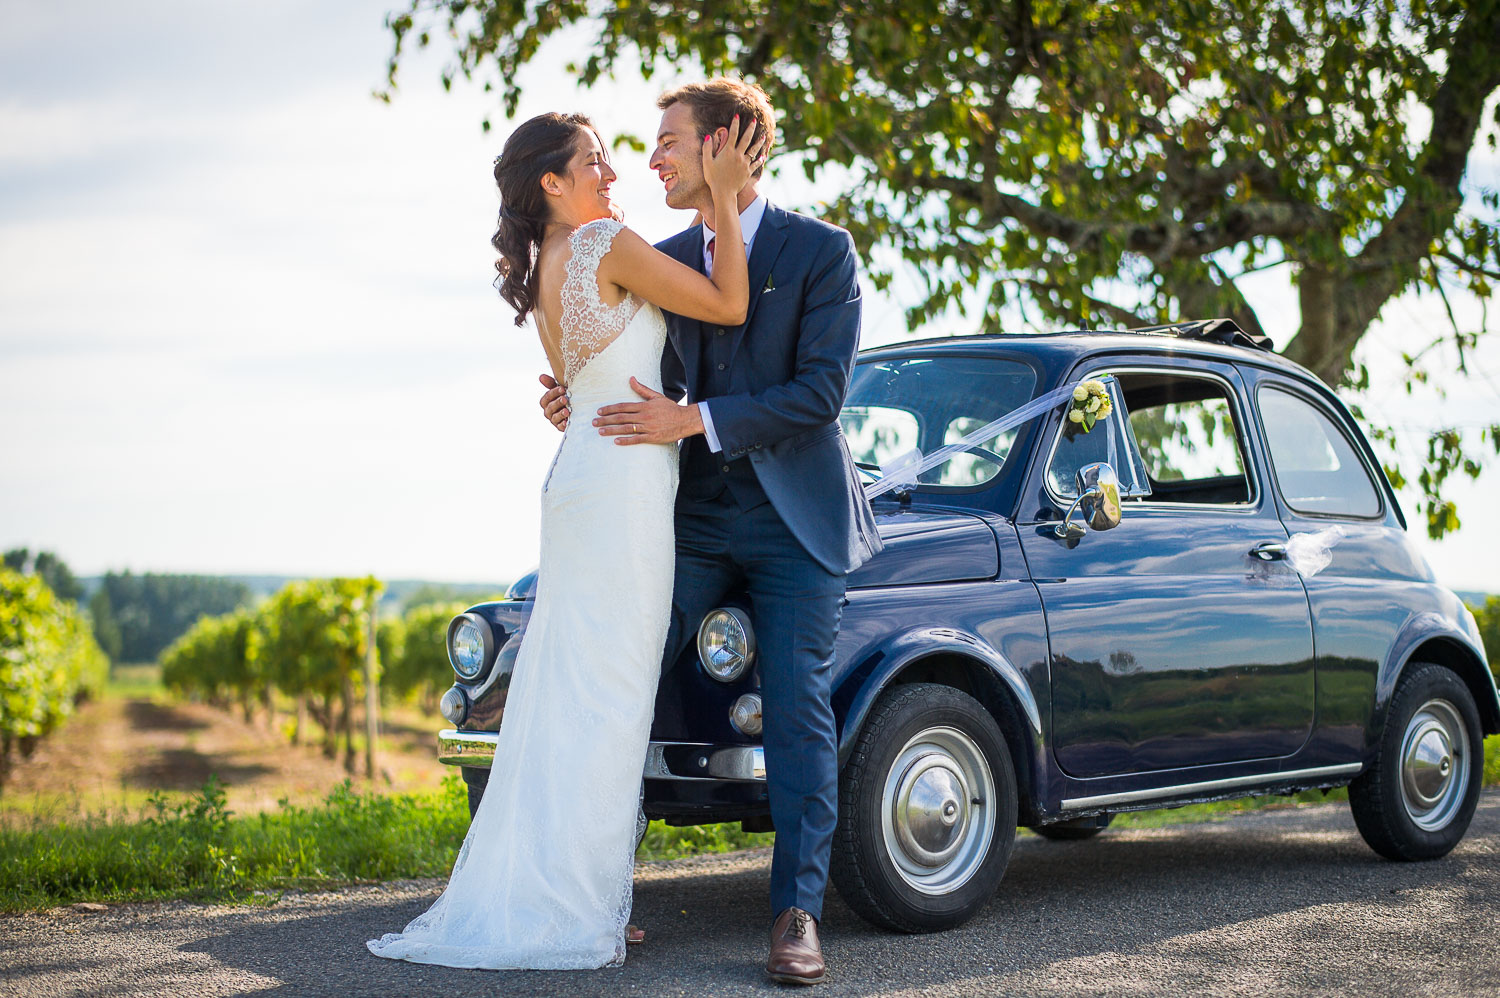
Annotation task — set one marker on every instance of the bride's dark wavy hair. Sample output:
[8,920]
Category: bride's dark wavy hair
[540,146]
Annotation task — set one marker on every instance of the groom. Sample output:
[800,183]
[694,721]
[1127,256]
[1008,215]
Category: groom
[769,498]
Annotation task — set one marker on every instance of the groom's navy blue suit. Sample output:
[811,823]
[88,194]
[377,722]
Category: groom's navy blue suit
[778,510]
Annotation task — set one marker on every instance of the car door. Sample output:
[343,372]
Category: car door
[1172,642]
[1364,578]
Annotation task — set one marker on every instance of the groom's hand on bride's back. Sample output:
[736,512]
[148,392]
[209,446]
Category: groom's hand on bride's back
[655,419]
[555,402]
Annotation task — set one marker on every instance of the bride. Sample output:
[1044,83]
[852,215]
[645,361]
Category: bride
[543,880]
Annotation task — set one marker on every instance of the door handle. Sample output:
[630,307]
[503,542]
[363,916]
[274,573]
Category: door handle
[1269,551]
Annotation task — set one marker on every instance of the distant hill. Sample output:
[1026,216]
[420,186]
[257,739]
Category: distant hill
[137,616]
[398,592]
[1473,598]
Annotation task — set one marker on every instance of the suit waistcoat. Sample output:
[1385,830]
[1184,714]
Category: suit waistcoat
[705,474]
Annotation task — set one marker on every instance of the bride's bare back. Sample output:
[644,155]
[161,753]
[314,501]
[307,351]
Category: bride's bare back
[579,313]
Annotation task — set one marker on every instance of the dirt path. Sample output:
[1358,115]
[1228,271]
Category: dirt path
[113,752]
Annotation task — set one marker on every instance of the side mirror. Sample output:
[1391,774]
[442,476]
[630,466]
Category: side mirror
[1099,495]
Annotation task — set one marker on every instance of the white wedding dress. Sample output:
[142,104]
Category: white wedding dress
[543,880]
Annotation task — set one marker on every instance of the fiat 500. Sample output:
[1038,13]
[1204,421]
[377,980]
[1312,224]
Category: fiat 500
[1207,592]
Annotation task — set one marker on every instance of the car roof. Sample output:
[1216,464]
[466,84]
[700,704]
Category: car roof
[1064,348]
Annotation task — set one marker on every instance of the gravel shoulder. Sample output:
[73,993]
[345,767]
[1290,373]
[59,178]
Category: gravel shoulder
[1282,902]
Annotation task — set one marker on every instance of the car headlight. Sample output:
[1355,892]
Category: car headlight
[726,644]
[471,645]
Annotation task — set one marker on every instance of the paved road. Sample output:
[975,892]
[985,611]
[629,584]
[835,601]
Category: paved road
[1284,902]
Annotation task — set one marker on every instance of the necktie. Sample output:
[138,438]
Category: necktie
[711,241]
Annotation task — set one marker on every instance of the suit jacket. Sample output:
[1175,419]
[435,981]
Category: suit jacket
[791,362]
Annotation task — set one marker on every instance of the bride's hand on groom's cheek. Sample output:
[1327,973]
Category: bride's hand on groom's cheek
[554,402]
[655,419]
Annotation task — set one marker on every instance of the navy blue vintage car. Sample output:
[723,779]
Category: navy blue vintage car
[1209,593]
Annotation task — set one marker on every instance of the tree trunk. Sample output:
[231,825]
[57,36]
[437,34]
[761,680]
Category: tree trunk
[346,722]
[1314,346]
[330,729]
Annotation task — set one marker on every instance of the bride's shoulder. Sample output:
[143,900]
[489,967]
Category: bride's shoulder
[594,241]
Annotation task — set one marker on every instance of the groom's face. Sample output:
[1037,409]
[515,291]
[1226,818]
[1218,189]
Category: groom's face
[678,159]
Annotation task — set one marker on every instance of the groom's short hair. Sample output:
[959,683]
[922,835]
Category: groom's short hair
[714,102]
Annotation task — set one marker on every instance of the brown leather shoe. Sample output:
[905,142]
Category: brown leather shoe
[796,957]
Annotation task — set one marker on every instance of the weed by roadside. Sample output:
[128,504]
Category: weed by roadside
[664,841]
[197,849]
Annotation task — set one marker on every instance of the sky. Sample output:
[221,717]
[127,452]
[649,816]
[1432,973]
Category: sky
[246,318]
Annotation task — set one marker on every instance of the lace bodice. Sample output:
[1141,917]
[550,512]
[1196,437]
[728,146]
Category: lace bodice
[589,325]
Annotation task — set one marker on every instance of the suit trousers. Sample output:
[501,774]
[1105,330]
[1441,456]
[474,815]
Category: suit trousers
[795,606]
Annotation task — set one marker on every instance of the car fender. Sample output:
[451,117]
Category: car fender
[885,662]
[1465,655]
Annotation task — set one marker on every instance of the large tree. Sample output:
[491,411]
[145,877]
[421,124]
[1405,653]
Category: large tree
[1112,163]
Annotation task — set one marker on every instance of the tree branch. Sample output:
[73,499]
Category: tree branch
[1120,314]
[1467,266]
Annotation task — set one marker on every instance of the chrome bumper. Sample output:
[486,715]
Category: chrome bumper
[664,760]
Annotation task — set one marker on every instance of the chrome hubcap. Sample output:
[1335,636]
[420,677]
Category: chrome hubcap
[1434,765]
[936,810]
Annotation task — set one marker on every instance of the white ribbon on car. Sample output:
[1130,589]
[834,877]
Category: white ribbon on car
[905,469]
[1310,553]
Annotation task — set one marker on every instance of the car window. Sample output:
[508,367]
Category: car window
[978,464]
[878,434]
[897,410]
[1186,434]
[1315,465]
[1109,442]
[1188,441]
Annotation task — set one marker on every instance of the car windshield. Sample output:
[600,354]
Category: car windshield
[895,407]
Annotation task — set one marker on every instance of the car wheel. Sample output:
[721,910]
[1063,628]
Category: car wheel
[476,780]
[927,811]
[1077,828]
[1416,798]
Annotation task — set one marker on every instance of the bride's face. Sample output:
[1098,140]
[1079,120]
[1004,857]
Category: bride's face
[584,187]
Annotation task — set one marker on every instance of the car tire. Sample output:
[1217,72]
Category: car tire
[1416,798]
[914,868]
[476,780]
[1074,830]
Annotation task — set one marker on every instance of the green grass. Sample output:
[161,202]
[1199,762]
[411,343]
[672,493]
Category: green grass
[198,849]
[142,682]
[664,841]
[194,847]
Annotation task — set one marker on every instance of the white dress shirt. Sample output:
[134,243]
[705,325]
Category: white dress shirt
[749,226]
